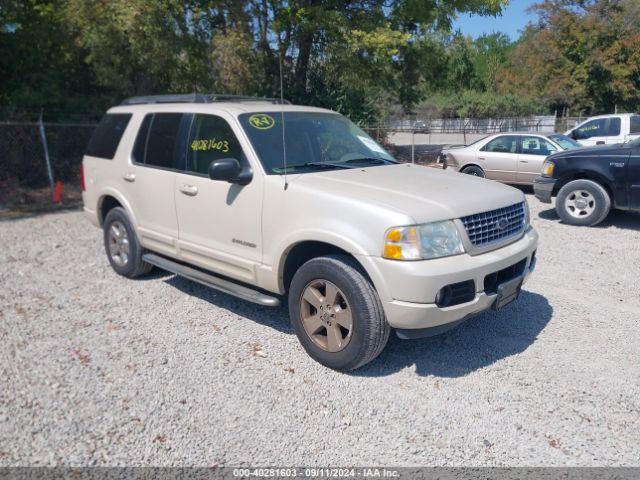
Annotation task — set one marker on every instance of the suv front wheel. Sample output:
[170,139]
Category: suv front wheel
[583,202]
[121,243]
[336,313]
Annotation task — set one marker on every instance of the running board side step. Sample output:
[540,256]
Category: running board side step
[212,281]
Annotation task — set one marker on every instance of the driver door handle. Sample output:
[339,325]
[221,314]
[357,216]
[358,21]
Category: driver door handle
[129,177]
[190,190]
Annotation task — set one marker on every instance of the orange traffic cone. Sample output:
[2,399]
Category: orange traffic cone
[57,192]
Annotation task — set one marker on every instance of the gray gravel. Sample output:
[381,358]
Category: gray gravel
[100,370]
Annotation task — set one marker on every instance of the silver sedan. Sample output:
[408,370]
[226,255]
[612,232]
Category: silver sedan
[506,157]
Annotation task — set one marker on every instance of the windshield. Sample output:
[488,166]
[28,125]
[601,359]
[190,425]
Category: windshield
[564,141]
[314,141]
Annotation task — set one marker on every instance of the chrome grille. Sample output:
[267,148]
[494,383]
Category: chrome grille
[496,225]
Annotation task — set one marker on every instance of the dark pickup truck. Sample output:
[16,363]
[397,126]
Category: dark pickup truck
[588,182]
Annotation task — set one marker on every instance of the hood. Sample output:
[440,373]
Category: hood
[588,151]
[424,194]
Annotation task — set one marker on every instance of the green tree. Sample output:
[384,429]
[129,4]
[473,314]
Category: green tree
[581,54]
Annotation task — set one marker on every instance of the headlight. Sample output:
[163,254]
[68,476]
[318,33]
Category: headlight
[547,168]
[422,242]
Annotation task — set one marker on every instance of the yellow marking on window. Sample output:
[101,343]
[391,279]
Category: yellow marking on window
[261,121]
[210,144]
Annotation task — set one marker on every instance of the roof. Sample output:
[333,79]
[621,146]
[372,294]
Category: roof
[198,98]
[541,134]
[609,115]
[234,108]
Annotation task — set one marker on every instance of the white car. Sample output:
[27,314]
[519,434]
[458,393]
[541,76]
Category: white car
[278,203]
[508,157]
[607,129]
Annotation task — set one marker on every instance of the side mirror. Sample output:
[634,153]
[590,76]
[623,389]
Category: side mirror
[574,134]
[229,170]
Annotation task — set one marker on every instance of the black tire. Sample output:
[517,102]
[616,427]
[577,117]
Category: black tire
[597,200]
[473,170]
[134,266]
[370,330]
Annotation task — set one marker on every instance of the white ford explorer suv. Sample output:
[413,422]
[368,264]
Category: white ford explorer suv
[273,202]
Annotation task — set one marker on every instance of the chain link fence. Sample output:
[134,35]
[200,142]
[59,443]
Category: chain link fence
[25,139]
[22,151]
[421,140]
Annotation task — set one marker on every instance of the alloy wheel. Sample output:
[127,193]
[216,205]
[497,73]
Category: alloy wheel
[118,241]
[326,315]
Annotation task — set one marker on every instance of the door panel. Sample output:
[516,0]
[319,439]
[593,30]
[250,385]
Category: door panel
[499,157]
[533,151]
[220,222]
[150,182]
[633,178]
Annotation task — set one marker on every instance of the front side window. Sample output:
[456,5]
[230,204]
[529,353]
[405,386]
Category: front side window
[502,144]
[106,138]
[594,128]
[536,146]
[313,141]
[211,139]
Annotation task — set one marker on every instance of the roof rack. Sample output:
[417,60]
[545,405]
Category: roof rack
[198,98]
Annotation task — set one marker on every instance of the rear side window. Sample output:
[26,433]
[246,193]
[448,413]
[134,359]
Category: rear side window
[635,124]
[140,146]
[162,139]
[106,138]
[504,144]
[614,126]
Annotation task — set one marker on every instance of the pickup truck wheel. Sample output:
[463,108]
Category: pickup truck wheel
[121,243]
[473,170]
[583,202]
[336,313]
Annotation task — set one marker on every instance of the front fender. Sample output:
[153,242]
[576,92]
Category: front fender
[343,242]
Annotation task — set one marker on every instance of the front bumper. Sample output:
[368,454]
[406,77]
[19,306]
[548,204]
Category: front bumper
[413,286]
[543,188]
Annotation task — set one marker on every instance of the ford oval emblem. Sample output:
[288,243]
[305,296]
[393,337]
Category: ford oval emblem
[502,223]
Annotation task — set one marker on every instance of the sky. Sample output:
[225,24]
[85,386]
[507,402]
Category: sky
[513,19]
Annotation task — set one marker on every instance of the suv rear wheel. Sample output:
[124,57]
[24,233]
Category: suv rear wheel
[583,202]
[336,313]
[121,243]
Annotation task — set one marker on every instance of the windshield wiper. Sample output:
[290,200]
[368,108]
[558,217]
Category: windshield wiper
[313,164]
[370,160]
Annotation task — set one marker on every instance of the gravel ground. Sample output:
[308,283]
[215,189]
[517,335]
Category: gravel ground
[101,370]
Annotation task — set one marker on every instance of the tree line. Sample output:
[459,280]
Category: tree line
[365,58]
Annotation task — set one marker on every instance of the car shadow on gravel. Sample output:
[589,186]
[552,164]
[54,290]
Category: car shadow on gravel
[474,344]
[617,219]
[276,318]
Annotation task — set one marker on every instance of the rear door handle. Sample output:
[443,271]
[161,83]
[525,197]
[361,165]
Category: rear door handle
[190,190]
[524,161]
[129,177]
[480,158]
